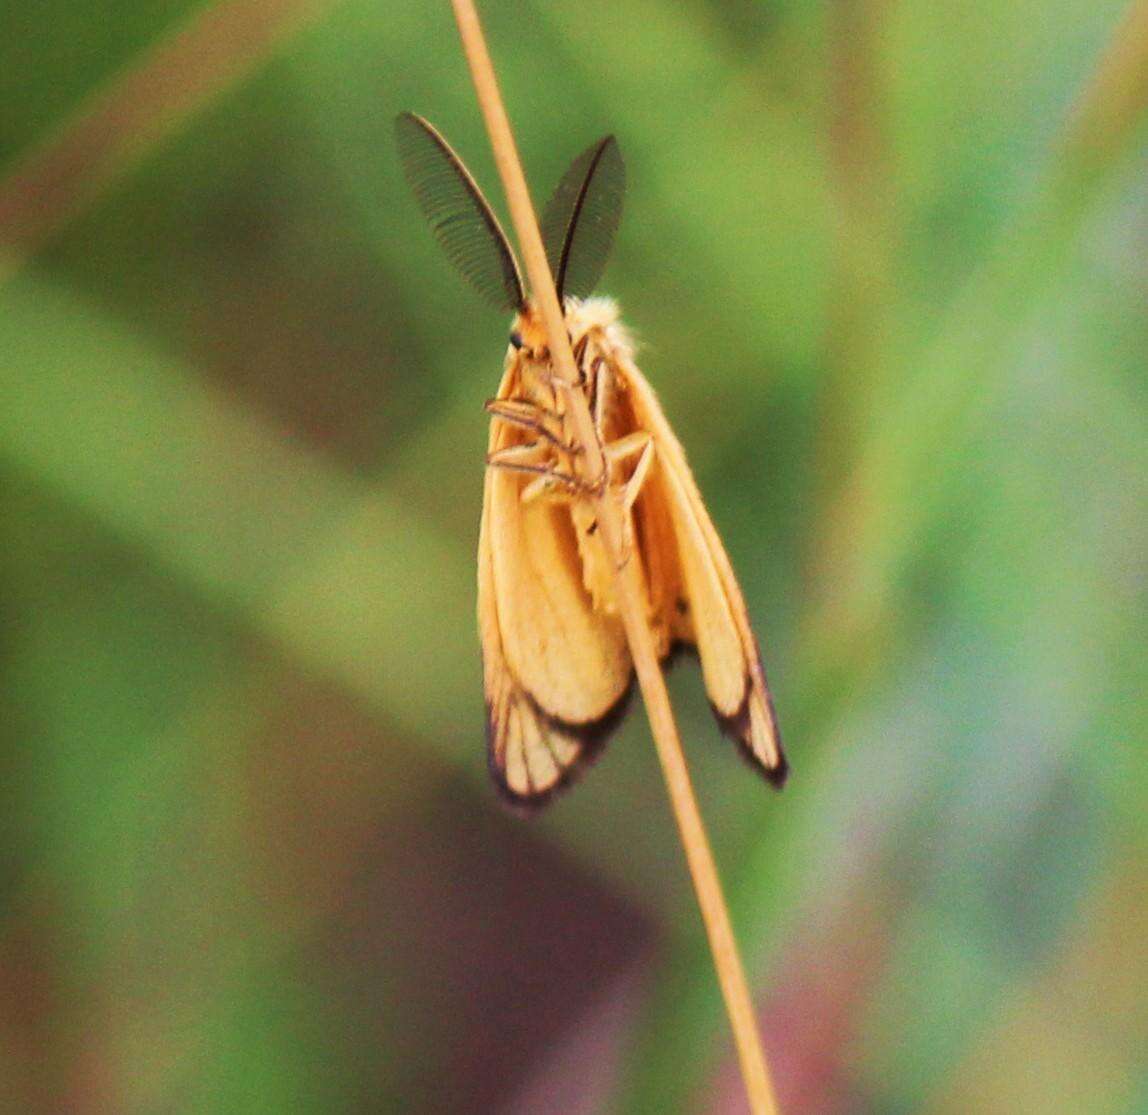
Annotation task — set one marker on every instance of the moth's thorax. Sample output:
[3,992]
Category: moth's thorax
[597,338]
[594,316]
[603,354]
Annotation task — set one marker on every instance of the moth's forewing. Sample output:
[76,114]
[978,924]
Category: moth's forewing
[708,607]
[529,757]
[556,672]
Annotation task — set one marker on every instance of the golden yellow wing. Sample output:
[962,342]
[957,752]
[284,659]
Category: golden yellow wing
[694,595]
[556,672]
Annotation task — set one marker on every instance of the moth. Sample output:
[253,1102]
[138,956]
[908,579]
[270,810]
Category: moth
[556,666]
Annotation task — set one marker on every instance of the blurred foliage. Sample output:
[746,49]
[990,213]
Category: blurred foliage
[887,263]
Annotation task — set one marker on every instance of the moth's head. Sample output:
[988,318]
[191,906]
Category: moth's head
[528,340]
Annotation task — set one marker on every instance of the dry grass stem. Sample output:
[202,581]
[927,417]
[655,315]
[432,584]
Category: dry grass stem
[727,960]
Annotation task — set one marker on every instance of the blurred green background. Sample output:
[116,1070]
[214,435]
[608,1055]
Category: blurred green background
[889,266]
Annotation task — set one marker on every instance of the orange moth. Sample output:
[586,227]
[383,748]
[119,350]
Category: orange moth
[556,665]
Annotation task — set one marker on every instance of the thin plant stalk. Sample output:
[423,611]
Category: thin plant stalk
[715,914]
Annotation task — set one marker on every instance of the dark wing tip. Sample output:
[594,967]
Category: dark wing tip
[737,727]
[524,805]
[778,775]
[592,736]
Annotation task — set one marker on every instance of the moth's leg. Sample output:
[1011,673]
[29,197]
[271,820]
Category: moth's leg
[641,444]
[579,352]
[600,369]
[511,409]
[592,379]
[627,446]
[527,416]
[638,443]
[553,489]
[533,458]
[520,409]
[641,471]
[536,454]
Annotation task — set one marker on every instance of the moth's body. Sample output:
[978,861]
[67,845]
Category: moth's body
[556,663]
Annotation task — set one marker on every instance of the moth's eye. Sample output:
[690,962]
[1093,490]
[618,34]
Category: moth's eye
[516,339]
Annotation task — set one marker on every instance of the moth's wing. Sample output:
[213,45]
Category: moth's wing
[694,596]
[556,673]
